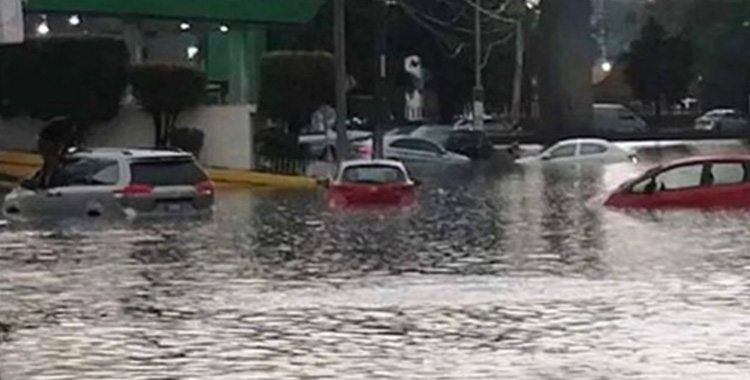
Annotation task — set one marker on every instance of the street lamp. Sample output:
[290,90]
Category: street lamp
[606,66]
[43,28]
[74,20]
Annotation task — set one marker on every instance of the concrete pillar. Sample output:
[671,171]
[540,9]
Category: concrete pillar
[235,57]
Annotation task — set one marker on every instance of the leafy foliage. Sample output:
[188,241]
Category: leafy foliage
[295,84]
[659,66]
[439,31]
[82,78]
[721,40]
[165,91]
[188,139]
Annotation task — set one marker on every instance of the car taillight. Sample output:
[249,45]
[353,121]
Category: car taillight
[134,189]
[365,150]
[205,187]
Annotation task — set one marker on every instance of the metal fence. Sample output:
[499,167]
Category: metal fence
[281,165]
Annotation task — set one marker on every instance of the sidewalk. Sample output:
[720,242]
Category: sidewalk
[17,165]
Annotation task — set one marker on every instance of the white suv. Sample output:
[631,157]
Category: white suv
[112,182]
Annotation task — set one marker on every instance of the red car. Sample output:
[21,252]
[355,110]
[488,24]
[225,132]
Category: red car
[371,183]
[701,182]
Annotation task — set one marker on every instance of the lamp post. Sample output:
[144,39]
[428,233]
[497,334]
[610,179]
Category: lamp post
[381,97]
[339,40]
[478,88]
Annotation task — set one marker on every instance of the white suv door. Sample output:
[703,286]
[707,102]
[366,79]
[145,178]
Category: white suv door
[84,186]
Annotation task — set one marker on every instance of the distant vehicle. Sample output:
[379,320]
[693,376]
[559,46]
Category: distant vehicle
[723,120]
[111,182]
[318,144]
[577,151]
[699,182]
[616,118]
[371,183]
[413,151]
[467,141]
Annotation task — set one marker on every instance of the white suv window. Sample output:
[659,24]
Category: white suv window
[563,151]
[88,172]
[588,149]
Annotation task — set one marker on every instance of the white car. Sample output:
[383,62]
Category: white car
[118,183]
[413,151]
[616,118]
[722,120]
[575,151]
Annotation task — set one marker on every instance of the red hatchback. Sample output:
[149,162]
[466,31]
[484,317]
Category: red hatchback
[702,182]
[371,183]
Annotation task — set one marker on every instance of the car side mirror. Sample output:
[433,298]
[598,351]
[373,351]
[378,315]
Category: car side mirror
[324,182]
[545,157]
[417,182]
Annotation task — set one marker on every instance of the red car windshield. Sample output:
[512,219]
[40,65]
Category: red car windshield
[380,174]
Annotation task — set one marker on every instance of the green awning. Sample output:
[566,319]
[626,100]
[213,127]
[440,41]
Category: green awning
[245,11]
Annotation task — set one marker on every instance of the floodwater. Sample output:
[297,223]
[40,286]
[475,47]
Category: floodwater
[501,273]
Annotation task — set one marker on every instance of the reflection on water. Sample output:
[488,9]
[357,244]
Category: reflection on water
[502,272]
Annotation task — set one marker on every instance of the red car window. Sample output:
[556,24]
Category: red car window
[374,174]
[727,173]
[681,177]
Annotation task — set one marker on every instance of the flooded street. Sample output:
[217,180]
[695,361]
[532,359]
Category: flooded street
[502,272]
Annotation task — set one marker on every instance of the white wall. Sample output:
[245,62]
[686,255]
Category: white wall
[228,129]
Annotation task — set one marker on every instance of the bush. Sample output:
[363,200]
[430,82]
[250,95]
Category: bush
[188,139]
[82,78]
[295,84]
[165,91]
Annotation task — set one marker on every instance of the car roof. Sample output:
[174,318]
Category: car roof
[707,159]
[584,141]
[368,162]
[116,153]
[608,105]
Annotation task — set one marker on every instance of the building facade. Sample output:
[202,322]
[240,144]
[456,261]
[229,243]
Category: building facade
[225,38]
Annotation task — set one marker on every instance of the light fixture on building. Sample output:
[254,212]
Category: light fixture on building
[184,26]
[224,29]
[43,28]
[74,20]
[606,66]
[192,52]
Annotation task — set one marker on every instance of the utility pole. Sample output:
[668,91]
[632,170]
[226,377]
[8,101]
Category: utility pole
[381,99]
[342,80]
[518,79]
[478,88]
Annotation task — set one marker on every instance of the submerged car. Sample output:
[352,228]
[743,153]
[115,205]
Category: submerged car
[581,151]
[701,182]
[415,151]
[371,183]
[723,120]
[113,182]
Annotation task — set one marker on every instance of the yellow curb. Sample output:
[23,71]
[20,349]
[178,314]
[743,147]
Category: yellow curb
[20,158]
[22,165]
[244,177]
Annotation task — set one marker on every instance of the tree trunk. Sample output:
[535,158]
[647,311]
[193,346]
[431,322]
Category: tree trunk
[565,75]
[157,128]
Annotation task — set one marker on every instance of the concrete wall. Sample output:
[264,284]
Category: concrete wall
[228,129]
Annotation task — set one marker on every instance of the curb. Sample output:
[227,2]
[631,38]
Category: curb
[21,165]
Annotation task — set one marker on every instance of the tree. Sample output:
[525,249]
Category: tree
[659,67]
[80,78]
[165,91]
[294,85]
[721,42]
[440,32]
